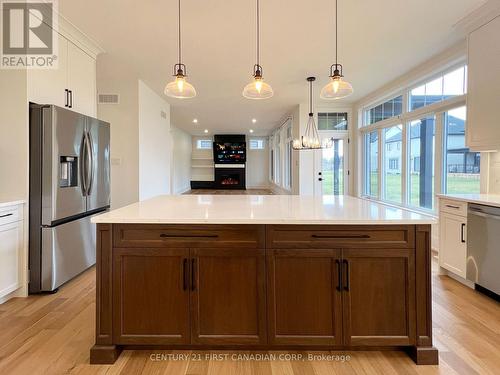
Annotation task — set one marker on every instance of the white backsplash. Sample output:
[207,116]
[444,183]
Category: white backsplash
[494,173]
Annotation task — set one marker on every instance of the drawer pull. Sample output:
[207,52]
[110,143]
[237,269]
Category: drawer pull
[6,215]
[163,235]
[452,206]
[348,236]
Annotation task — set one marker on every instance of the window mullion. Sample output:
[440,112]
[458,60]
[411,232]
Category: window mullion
[380,180]
[404,164]
[438,153]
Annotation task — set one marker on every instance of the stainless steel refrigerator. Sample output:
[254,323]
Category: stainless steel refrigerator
[69,183]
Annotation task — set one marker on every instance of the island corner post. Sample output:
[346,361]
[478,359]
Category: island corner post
[184,268]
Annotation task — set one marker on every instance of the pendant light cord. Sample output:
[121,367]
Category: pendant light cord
[258,33]
[336,31]
[180,59]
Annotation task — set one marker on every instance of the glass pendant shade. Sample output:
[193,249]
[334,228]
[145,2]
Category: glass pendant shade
[180,88]
[337,88]
[258,89]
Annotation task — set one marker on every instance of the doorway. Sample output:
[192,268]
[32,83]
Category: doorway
[332,168]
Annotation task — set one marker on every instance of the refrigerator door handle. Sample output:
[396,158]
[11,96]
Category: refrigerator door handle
[90,164]
[83,174]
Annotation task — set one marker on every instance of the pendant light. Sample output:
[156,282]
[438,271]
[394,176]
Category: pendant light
[179,87]
[310,140]
[337,88]
[258,89]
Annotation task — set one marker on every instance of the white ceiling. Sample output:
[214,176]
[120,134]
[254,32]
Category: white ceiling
[379,40]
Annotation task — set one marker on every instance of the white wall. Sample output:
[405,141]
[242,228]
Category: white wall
[154,144]
[14,142]
[181,160]
[257,168]
[113,77]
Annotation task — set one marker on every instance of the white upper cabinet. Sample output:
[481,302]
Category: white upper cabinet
[46,86]
[73,83]
[483,97]
[81,81]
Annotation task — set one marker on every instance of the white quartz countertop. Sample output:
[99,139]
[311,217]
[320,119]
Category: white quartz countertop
[260,209]
[9,202]
[486,199]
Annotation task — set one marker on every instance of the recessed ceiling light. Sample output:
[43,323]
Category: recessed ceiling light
[254,120]
[206,131]
[195,120]
[251,130]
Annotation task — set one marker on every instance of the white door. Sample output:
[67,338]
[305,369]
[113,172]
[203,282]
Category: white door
[331,167]
[47,86]
[81,81]
[453,247]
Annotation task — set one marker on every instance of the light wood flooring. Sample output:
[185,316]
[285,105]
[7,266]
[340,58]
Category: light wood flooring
[52,334]
[230,192]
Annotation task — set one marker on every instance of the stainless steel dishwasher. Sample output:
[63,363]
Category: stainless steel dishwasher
[483,248]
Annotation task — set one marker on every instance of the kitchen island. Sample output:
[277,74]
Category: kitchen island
[281,272]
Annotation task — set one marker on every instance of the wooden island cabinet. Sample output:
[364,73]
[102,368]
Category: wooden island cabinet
[263,287]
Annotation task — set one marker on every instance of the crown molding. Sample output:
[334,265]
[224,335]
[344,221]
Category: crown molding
[478,17]
[68,30]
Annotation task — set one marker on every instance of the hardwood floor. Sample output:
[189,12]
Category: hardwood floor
[52,334]
[230,192]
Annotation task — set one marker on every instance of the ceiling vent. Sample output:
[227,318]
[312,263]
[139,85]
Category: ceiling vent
[108,99]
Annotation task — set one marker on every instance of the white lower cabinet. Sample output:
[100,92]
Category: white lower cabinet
[11,250]
[453,242]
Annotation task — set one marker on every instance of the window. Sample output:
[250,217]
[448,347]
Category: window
[422,147]
[390,108]
[461,166]
[445,86]
[257,144]
[204,144]
[332,121]
[371,164]
[392,157]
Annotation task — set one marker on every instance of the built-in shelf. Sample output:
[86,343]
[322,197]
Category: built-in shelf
[198,158]
[202,166]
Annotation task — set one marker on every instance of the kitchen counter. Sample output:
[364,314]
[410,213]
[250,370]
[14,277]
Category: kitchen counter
[239,272]
[7,202]
[486,199]
[261,209]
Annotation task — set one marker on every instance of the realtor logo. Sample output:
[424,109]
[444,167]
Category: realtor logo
[29,34]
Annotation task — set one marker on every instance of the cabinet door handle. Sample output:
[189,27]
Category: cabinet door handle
[66,97]
[184,274]
[342,236]
[452,206]
[346,286]
[339,275]
[5,215]
[193,274]
[462,235]
[70,99]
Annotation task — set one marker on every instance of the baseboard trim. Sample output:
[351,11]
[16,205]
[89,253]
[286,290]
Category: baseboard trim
[182,190]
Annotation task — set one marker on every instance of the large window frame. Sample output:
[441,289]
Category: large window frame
[280,147]
[437,110]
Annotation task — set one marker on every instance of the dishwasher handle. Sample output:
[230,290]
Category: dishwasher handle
[478,212]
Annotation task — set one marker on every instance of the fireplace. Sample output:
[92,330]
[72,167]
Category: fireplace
[230,177]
